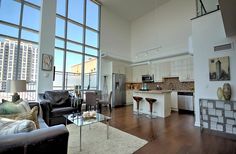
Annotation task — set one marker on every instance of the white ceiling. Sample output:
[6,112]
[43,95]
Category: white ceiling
[132,9]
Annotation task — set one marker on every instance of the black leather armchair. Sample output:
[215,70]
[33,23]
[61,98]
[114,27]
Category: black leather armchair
[55,104]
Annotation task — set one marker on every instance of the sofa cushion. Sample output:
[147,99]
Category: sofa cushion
[24,105]
[14,108]
[61,111]
[32,115]
[9,126]
[17,102]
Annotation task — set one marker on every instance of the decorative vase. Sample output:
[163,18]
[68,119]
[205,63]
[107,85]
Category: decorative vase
[105,88]
[220,93]
[76,90]
[227,91]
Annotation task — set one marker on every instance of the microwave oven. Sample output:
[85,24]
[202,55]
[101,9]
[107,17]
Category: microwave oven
[147,78]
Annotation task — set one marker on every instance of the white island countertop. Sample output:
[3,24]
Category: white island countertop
[153,91]
[162,106]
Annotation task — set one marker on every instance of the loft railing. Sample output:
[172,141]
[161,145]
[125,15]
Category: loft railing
[71,79]
[206,6]
[29,95]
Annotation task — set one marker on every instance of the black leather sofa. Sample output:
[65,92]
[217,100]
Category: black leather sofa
[57,103]
[46,140]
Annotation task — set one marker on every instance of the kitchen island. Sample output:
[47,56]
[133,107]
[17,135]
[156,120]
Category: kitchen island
[161,108]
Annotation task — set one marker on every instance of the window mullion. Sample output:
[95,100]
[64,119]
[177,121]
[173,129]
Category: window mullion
[19,41]
[65,47]
[99,59]
[71,48]
[83,47]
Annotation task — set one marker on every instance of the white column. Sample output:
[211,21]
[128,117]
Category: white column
[46,44]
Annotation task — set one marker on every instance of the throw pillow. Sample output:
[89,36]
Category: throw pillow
[9,126]
[9,108]
[32,115]
[24,105]
[18,101]
[13,108]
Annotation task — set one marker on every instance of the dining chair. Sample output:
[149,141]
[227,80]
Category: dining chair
[91,100]
[105,102]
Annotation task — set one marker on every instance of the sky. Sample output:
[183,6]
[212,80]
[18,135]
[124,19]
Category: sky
[10,12]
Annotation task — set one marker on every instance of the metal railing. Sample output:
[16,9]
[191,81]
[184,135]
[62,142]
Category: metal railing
[72,79]
[206,6]
[29,95]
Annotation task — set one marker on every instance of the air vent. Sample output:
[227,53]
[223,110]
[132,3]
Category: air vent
[228,46]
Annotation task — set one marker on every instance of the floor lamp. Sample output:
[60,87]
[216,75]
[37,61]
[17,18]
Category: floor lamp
[14,86]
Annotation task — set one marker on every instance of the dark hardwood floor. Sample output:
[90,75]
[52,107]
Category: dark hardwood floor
[173,135]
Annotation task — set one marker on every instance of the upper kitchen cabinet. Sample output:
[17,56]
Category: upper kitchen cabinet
[118,68]
[176,67]
[165,70]
[186,70]
[183,68]
[138,71]
[162,69]
[129,74]
[151,69]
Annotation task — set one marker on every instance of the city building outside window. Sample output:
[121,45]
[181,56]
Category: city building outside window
[77,36]
[19,38]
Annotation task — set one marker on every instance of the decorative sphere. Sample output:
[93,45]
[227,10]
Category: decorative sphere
[227,91]
[220,93]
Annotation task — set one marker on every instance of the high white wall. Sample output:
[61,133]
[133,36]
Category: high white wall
[210,5]
[208,31]
[115,35]
[110,66]
[167,28]
[47,36]
[106,71]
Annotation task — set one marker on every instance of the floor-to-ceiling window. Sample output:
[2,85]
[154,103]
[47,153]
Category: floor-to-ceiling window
[19,38]
[76,44]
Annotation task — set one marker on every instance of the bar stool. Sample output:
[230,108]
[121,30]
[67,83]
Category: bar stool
[137,99]
[151,101]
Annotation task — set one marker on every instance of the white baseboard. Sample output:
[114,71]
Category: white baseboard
[174,109]
[197,124]
[128,104]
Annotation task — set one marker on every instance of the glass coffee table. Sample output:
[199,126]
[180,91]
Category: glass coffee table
[78,120]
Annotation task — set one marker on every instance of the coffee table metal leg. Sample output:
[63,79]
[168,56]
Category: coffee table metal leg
[66,120]
[107,129]
[80,138]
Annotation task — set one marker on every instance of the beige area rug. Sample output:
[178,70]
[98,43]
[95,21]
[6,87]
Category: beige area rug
[94,140]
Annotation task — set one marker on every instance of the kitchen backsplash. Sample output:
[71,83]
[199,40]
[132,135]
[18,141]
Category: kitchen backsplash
[171,83]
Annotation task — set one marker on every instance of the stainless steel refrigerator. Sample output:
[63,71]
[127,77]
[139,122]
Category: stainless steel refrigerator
[118,89]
